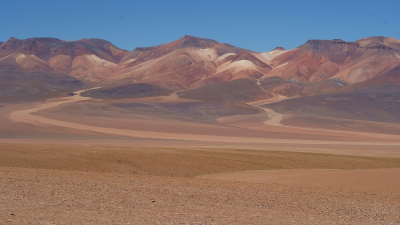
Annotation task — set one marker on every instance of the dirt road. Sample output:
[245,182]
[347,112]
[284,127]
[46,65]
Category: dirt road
[27,116]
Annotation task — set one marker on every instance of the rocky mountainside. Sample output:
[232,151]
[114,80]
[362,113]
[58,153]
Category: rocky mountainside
[38,68]
[322,66]
[196,68]
[188,63]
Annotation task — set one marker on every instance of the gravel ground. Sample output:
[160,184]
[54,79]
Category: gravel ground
[37,196]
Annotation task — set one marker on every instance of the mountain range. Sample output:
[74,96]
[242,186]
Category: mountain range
[356,80]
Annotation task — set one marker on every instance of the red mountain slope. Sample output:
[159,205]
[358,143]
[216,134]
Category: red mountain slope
[87,59]
[188,62]
[319,60]
[201,65]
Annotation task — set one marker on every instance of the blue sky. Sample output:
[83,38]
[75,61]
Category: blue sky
[256,25]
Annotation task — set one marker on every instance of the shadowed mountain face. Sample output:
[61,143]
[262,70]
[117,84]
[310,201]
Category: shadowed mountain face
[39,68]
[46,48]
[237,90]
[88,60]
[376,99]
[206,70]
[25,85]
[135,90]
[383,107]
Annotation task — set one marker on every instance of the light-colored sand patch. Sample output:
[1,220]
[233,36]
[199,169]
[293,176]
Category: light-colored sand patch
[30,61]
[281,65]
[145,68]
[129,61]
[207,54]
[274,118]
[224,56]
[238,66]
[387,180]
[90,61]
[275,98]
[267,57]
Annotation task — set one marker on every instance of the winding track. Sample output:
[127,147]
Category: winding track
[276,118]
[26,116]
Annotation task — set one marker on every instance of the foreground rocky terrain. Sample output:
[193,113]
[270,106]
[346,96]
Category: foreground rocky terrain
[47,197]
[47,184]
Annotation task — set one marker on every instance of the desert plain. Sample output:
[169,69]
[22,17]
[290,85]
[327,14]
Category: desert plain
[79,160]
[196,131]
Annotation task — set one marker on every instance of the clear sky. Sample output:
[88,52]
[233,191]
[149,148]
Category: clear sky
[256,25]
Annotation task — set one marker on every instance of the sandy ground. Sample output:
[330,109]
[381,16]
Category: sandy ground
[31,196]
[81,169]
[27,116]
[178,162]
[53,184]
[236,131]
[386,180]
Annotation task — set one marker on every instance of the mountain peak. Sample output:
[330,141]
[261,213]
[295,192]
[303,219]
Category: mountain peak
[12,39]
[279,48]
[191,41]
[327,42]
[188,36]
[11,44]
[380,39]
[94,41]
[379,42]
[191,37]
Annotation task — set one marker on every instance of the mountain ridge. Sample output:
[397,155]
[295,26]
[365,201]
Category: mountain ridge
[316,67]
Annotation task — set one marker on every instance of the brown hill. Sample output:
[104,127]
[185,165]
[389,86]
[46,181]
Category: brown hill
[38,68]
[88,60]
[46,48]
[197,68]
[319,60]
[376,99]
[187,63]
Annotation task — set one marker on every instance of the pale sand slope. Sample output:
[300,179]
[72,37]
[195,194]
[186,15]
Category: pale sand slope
[387,180]
[333,149]
[59,197]
[27,117]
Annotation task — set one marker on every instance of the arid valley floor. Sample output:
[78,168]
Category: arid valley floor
[76,160]
[195,131]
